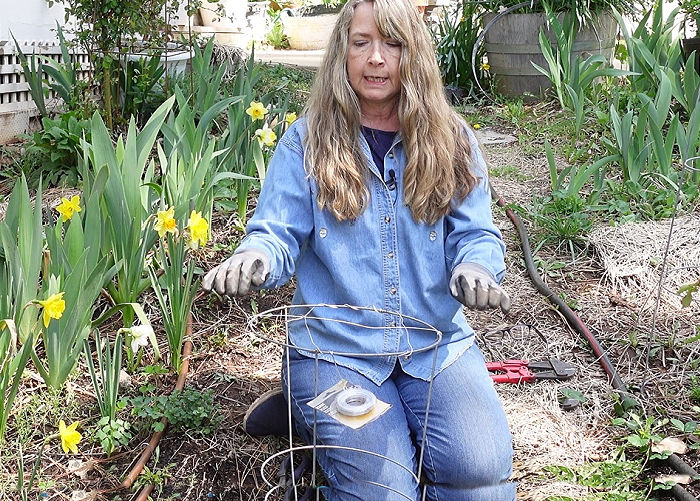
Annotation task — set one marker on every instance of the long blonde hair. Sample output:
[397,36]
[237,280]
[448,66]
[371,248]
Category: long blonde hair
[437,149]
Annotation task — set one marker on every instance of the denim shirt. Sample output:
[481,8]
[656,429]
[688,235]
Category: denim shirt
[383,259]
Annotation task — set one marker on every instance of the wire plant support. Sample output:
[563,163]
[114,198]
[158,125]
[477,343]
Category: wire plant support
[687,167]
[310,317]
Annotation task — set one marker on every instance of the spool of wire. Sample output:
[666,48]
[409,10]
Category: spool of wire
[355,402]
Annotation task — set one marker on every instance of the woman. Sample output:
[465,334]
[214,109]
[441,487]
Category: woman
[378,198]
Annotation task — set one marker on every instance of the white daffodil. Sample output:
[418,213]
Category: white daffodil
[139,336]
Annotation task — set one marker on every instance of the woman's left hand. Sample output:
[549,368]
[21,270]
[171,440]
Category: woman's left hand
[474,287]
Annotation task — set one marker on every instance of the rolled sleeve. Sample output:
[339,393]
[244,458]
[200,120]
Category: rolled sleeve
[283,217]
[472,237]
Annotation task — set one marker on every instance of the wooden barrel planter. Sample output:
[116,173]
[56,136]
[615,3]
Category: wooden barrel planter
[512,45]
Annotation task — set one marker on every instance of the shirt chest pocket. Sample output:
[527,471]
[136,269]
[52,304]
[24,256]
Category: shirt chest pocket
[349,243]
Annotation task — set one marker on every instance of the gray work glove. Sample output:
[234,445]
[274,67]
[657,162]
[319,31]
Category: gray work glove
[234,276]
[474,287]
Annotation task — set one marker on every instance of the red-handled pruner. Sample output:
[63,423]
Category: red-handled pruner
[516,371]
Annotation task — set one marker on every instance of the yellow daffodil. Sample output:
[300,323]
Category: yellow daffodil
[290,117]
[165,222]
[266,136]
[476,126]
[53,307]
[485,66]
[198,229]
[69,436]
[256,110]
[68,207]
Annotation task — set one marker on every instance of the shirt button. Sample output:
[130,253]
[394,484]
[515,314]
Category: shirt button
[407,357]
[391,155]
[393,290]
[322,233]
[433,235]
[387,219]
[390,255]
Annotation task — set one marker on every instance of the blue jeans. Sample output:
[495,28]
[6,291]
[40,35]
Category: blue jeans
[468,453]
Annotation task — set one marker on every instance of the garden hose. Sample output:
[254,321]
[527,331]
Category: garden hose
[574,321]
[577,324]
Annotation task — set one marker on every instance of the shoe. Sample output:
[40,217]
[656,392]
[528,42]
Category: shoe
[268,415]
[302,494]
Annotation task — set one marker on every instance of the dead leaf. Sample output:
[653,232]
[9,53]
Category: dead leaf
[83,496]
[671,444]
[80,468]
[676,479]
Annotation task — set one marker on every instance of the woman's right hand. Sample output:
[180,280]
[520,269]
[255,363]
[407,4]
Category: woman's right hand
[235,276]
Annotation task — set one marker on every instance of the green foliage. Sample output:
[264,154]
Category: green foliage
[691,11]
[202,88]
[572,79]
[275,35]
[186,410]
[568,393]
[107,28]
[140,84]
[62,77]
[175,291]
[695,388]
[643,433]
[126,200]
[56,151]
[112,433]
[246,158]
[652,46]
[105,379]
[562,219]
[630,146]
[569,183]
[614,480]
[40,411]
[12,364]
[157,478]
[515,112]
[455,36]
[509,172]
[76,268]
[585,9]
[24,489]
[276,79]
[32,69]
[21,246]
[687,291]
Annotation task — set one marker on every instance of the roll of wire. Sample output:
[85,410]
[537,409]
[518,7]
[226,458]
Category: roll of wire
[355,401]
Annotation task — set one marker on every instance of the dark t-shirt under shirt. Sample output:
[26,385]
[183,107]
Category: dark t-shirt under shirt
[379,143]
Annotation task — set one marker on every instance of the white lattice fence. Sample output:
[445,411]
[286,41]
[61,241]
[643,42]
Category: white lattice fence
[16,104]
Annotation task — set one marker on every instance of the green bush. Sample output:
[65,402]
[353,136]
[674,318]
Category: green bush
[188,409]
[454,36]
[55,150]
